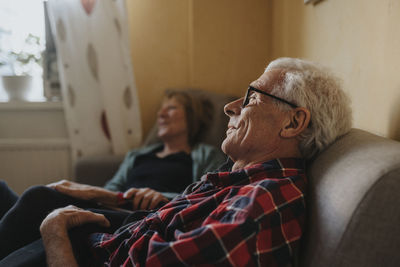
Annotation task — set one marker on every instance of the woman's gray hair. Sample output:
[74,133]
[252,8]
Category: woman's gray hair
[312,86]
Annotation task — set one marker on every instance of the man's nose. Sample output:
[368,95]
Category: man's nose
[234,107]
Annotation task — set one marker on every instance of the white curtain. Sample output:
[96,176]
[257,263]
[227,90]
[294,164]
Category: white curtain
[97,84]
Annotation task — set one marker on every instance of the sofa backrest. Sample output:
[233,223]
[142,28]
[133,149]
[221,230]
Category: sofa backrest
[354,204]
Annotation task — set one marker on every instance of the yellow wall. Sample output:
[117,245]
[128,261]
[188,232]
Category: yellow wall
[159,47]
[360,41]
[216,45]
[222,45]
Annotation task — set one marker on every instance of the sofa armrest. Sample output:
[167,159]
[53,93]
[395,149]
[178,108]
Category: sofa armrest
[353,204]
[96,170]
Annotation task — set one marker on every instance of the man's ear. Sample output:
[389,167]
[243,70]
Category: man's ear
[297,121]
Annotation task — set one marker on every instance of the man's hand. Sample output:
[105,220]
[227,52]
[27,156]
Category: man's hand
[65,218]
[54,231]
[86,192]
[144,198]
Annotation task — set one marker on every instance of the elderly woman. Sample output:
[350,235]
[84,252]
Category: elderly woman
[147,178]
[157,173]
[181,121]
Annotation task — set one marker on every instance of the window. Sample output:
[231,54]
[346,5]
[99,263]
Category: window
[22,40]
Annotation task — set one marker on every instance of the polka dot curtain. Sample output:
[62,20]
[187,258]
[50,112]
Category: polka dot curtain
[98,87]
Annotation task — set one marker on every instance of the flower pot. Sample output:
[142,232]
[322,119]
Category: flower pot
[17,87]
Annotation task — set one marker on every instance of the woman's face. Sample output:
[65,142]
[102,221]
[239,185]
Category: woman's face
[171,120]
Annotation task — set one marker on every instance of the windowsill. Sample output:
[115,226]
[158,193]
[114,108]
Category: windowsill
[34,98]
[34,142]
[31,105]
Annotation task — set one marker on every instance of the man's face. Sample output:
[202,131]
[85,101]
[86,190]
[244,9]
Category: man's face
[253,130]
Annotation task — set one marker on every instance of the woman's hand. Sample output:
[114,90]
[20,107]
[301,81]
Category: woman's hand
[144,198]
[86,192]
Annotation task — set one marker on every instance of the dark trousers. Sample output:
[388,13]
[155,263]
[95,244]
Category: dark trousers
[34,255]
[7,198]
[20,225]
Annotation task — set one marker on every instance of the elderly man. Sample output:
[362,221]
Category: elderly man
[251,215]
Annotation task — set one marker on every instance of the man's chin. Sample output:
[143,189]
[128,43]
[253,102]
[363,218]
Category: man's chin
[225,146]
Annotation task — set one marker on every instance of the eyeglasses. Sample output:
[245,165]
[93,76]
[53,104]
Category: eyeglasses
[251,88]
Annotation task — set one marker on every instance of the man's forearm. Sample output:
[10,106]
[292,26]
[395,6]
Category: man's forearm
[59,250]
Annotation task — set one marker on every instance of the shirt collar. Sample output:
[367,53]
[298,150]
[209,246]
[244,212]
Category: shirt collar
[277,168]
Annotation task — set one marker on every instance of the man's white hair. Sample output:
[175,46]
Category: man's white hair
[312,86]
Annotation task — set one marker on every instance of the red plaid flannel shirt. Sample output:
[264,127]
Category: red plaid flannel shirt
[249,217]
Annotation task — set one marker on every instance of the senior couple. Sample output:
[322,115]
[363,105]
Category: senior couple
[251,214]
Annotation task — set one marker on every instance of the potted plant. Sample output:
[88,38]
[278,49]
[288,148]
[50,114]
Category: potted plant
[18,66]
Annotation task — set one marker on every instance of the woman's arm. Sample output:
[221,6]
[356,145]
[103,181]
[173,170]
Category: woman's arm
[86,192]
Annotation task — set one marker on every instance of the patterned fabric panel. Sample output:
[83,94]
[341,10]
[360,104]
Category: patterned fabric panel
[98,87]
